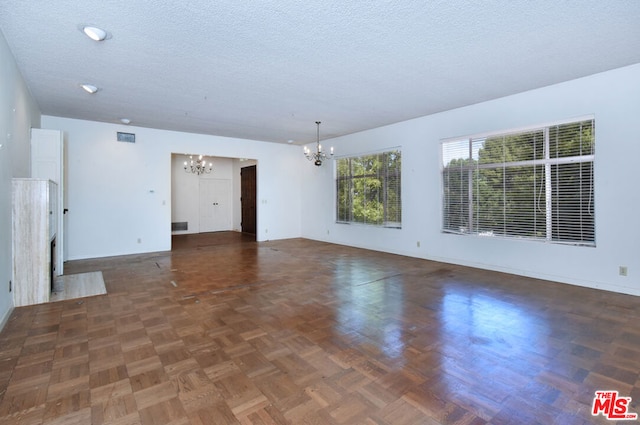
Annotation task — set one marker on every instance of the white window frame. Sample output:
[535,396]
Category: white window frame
[385,223]
[547,162]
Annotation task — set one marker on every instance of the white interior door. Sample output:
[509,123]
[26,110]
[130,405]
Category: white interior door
[215,205]
[47,156]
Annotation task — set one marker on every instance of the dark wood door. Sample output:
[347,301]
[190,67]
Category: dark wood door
[248,198]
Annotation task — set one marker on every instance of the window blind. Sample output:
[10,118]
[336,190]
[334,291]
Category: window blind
[535,184]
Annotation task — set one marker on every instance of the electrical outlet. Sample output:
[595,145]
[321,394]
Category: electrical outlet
[418,244]
[139,240]
[622,270]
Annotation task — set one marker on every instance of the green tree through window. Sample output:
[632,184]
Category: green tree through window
[368,189]
[536,184]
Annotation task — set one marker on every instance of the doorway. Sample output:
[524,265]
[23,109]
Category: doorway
[212,201]
[248,199]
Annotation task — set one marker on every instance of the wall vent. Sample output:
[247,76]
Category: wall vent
[126,137]
[179,225]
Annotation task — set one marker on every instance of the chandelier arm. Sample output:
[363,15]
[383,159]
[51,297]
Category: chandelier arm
[198,166]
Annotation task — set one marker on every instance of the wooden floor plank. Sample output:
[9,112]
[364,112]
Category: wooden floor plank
[224,330]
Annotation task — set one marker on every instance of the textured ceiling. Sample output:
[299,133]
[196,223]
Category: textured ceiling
[267,70]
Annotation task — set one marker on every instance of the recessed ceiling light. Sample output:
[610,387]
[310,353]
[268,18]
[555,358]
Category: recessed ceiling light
[91,89]
[95,33]
[125,121]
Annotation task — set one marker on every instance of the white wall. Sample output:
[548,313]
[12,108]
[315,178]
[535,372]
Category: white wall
[18,113]
[119,193]
[613,97]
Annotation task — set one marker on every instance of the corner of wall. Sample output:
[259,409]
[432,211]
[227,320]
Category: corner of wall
[5,318]
[14,159]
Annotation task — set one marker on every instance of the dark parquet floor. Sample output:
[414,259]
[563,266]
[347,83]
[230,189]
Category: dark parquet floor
[224,330]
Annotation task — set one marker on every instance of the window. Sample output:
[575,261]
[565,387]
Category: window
[368,189]
[535,184]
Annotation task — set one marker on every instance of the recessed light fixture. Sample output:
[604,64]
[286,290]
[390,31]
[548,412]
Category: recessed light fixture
[94,33]
[89,88]
[125,121]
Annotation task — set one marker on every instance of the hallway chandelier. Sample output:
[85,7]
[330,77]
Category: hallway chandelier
[197,166]
[318,156]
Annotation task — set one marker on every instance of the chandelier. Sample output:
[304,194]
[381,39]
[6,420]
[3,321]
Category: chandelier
[197,166]
[318,156]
